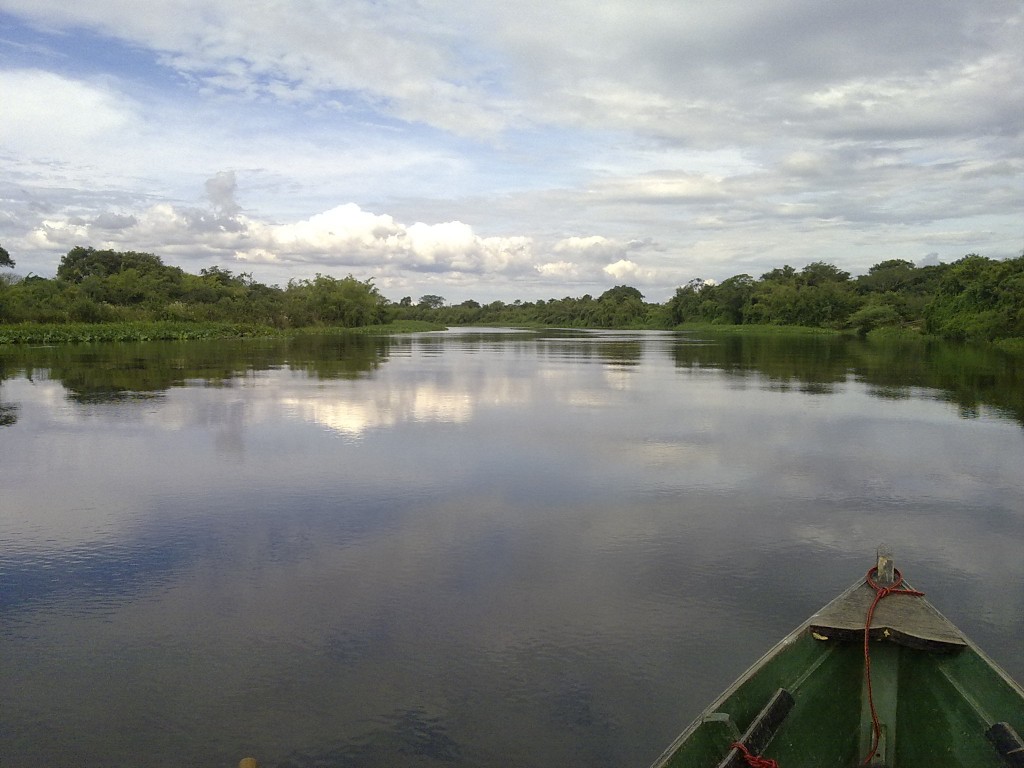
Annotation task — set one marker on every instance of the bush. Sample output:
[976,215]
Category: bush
[872,316]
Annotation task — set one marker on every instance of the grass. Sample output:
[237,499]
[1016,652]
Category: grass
[78,333]
[85,333]
[1014,346]
[758,330]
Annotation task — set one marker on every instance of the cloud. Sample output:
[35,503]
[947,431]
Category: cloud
[965,96]
[560,270]
[343,228]
[89,114]
[662,187]
[63,133]
[594,248]
[345,237]
[628,271]
[221,191]
[113,221]
[665,68]
[512,149]
[354,50]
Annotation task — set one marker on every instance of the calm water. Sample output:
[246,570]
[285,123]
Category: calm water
[469,548]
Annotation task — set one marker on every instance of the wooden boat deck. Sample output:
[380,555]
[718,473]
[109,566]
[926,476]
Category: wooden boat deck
[905,619]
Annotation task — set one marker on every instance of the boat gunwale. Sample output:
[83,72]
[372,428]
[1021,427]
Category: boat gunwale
[793,637]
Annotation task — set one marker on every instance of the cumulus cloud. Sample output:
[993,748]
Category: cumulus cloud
[345,237]
[345,228]
[625,270]
[596,259]
[594,248]
[220,188]
[649,142]
[560,269]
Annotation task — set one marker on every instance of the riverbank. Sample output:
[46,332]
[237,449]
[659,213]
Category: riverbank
[85,333]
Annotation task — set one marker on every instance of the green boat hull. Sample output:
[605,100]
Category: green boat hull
[939,700]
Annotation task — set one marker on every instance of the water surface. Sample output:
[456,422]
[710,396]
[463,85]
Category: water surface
[470,548]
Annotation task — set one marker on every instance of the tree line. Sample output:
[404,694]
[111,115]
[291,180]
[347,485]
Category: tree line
[974,298]
[105,286]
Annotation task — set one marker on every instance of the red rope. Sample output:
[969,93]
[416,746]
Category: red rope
[880,593]
[754,761]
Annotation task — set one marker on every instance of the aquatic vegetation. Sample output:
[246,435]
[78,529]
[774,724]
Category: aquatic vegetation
[77,333]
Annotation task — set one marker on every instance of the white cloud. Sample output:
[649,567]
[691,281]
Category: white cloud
[46,113]
[663,187]
[257,49]
[625,270]
[560,269]
[594,248]
[664,68]
[345,237]
[560,143]
[66,134]
[221,191]
[344,228]
[582,243]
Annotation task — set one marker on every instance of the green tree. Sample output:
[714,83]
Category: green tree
[618,307]
[784,274]
[876,313]
[892,275]
[5,258]
[819,295]
[684,306]
[979,298]
[37,299]
[729,301]
[621,294]
[904,287]
[326,300]
[820,272]
[430,301]
[81,262]
[775,301]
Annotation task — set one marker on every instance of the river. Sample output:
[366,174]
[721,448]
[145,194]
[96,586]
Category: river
[479,547]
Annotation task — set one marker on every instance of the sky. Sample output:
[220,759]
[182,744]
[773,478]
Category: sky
[502,151]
